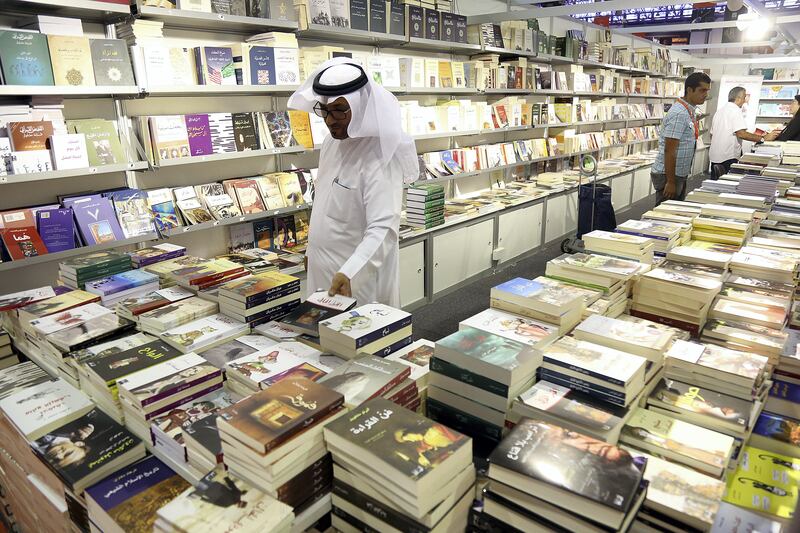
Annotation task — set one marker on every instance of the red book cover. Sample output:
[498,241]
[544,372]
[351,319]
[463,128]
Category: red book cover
[249,196]
[20,218]
[22,243]
[27,136]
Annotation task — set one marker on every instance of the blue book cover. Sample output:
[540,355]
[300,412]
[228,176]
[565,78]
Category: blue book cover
[785,391]
[264,231]
[97,221]
[778,427]
[520,287]
[131,496]
[57,229]
[215,65]
[25,58]
[262,65]
[120,282]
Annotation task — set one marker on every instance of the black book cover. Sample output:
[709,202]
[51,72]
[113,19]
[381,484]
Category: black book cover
[221,7]
[244,132]
[461,28]
[78,449]
[377,16]
[682,397]
[206,434]
[123,363]
[258,9]
[377,509]
[584,466]
[305,318]
[498,36]
[431,24]
[359,16]
[397,18]
[416,21]
[448,27]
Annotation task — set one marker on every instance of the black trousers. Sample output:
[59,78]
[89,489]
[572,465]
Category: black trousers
[718,169]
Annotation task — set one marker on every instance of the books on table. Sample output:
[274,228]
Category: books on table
[38,409]
[638,339]
[371,328]
[765,482]
[515,327]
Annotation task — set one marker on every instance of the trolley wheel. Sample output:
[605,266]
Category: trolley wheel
[566,246]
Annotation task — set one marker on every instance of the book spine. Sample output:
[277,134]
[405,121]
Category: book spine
[182,387]
[103,268]
[574,368]
[160,259]
[208,284]
[271,294]
[693,329]
[384,332]
[273,313]
[310,421]
[175,404]
[353,521]
[213,277]
[311,493]
[389,350]
[377,509]
[456,418]
[465,376]
[596,391]
[321,469]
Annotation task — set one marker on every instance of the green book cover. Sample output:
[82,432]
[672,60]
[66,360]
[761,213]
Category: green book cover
[25,58]
[102,141]
[412,203]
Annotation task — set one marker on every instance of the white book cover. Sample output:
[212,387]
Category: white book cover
[340,13]
[417,355]
[364,320]
[160,371]
[69,318]
[5,156]
[175,294]
[159,196]
[157,65]
[268,363]
[195,5]
[596,360]
[287,70]
[31,162]
[276,331]
[625,332]
[319,12]
[375,69]
[19,299]
[390,67]
[69,151]
[203,331]
[337,301]
[39,409]
[511,326]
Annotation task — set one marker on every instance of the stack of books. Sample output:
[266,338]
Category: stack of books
[166,270]
[678,299]
[755,262]
[132,307]
[619,244]
[117,287]
[263,368]
[544,477]
[417,356]
[606,374]
[319,306]
[75,272]
[260,298]
[374,329]
[763,186]
[611,275]
[688,444]
[168,429]
[560,305]
[394,468]
[7,356]
[368,377]
[207,274]
[100,374]
[635,338]
[745,336]
[515,327]
[693,255]
[775,433]
[693,510]
[425,206]
[723,224]
[160,388]
[745,305]
[739,374]
[175,314]
[475,376]
[224,353]
[155,254]
[664,235]
[204,333]
[224,503]
[783,396]
[274,441]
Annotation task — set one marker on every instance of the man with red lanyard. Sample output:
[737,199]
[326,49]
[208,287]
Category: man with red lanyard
[677,140]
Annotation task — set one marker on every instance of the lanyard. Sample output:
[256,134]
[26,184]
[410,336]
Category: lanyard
[691,115]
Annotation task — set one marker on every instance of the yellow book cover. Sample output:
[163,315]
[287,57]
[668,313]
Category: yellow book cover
[765,482]
[459,76]
[269,185]
[445,74]
[71,58]
[432,73]
[301,128]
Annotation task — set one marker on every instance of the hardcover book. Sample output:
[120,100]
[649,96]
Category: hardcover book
[245,132]
[431,24]
[365,378]
[397,17]
[25,58]
[129,499]
[112,65]
[282,10]
[340,13]
[269,418]
[21,243]
[377,16]
[416,21]
[71,59]
[43,407]
[87,449]
[97,221]
[198,131]
[359,14]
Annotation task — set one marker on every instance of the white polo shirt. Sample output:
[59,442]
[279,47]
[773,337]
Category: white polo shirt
[724,143]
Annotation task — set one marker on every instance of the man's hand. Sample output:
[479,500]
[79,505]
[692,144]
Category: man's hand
[670,190]
[340,285]
[771,136]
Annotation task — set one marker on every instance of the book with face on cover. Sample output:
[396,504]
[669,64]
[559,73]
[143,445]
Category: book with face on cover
[514,327]
[319,306]
[271,417]
[223,503]
[87,449]
[366,377]
[170,138]
[39,409]
[129,499]
[71,58]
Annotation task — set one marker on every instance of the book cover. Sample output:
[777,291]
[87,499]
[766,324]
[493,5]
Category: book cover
[31,162]
[217,65]
[199,132]
[112,65]
[365,378]
[167,379]
[431,24]
[485,347]
[170,138]
[731,519]
[572,406]
[132,496]
[182,70]
[511,326]
[219,502]
[287,68]
[417,356]
[340,13]
[264,364]
[306,317]
[171,424]
[260,286]
[97,221]
[461,29]
[765,482]
[58,303]
[282,10]
[778,427]
[202,331]
[262,65]
[20,377]
[258,9]
[21,243]
[684,397]
[133,212]
[163,208]
[399,437]
[359,14]
[219,202]
[121,282]
[367,323]
[35,410]
[29,136]
[416,21]
[280,129]
[16,300]
[448,27]
[69,318]
[71,59]
[290,188]
[397,17]
[245,132]
[25,58]
[89,332]
[581,465]
[223,354]
[69,151]
[616,367]
[123,363]
[248,196]
[83,448]
[273,416]
[300,124]
[93,261]
[102,141]
[626,332]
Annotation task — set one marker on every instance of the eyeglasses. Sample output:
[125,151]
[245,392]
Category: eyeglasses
[323,112]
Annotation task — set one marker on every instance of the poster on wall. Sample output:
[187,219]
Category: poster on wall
[752,85]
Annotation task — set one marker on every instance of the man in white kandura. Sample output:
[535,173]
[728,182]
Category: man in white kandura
[353,244]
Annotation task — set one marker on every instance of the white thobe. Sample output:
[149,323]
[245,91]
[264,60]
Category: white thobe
[355,221]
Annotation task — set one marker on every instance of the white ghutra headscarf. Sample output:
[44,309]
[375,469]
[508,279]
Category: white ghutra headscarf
[375,111]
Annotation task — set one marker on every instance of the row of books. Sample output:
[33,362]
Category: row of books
[274,9]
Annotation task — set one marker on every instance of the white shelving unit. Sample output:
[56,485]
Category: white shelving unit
[61,174]
[178,18]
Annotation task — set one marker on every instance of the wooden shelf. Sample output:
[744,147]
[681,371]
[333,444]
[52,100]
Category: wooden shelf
[179,18]
[73,173]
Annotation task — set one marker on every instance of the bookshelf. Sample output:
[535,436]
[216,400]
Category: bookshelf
[506,52]
[73,173]
[197,20]
[433,45]
[210,90]
[318,32]
[87,10]
[230,156]
[69,92]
